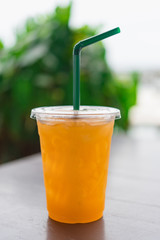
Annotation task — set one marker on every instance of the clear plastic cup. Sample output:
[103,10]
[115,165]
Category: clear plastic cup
[75,147]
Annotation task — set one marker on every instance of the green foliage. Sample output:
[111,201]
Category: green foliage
[37,71]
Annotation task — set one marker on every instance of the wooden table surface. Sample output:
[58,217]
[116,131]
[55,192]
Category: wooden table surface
[132,199]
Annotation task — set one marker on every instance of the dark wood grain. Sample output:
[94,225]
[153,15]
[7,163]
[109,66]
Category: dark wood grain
[132,198]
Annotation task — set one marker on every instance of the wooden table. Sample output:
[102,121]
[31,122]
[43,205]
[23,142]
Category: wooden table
[132,199]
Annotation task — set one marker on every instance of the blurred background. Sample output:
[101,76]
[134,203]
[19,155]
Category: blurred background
[36,43]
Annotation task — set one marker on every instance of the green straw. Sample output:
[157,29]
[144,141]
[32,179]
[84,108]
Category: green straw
[76,62]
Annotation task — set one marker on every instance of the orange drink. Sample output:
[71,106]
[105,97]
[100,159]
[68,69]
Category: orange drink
[75,151]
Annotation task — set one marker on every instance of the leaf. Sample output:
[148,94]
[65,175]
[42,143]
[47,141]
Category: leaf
[1,45]
[32,55]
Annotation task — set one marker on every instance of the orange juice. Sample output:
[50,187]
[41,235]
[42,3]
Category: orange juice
[75,153]
[75,163]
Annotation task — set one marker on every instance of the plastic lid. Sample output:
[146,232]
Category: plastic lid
[49,113]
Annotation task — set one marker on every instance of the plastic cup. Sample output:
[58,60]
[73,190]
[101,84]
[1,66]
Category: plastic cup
[75,147]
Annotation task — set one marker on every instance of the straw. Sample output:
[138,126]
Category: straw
[76,62]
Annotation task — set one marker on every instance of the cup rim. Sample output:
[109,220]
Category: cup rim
[52,112]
